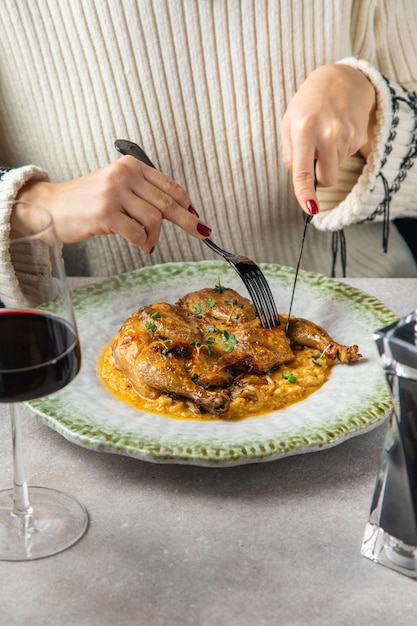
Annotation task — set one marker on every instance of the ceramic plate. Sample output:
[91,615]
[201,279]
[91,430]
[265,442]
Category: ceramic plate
[353,400]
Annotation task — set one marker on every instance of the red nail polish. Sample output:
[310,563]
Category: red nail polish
[203,229]
[312,207]
[192,210]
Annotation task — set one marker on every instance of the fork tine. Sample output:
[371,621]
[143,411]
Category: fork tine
[260,293]
[257,301]
[269,298]
[255,282]
[263,299]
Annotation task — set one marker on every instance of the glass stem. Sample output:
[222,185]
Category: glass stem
[21,504]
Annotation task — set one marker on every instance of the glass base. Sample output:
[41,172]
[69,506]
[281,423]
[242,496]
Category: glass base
[385,549]
[56,522]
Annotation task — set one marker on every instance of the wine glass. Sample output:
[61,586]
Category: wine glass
[39,354]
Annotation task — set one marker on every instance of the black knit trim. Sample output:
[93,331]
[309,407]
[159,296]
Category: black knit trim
[338,242]
[410,99]
[3,170]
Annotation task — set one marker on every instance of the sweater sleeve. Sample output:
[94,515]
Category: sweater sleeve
[384,187]
[14,290]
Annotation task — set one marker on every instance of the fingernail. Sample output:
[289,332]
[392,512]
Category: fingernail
[192,210]
[312,207]
[203,229]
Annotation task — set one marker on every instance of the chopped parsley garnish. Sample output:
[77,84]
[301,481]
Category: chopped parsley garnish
[166,349]
[316,359]
[210,302]
[230,339]
[156,315]
[233,305]
[150,326]
[218,288]
[198,346]
[290,377]
[234,302]
[212,329]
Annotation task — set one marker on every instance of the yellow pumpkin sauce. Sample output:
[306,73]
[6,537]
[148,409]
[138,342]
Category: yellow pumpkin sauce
[263,393]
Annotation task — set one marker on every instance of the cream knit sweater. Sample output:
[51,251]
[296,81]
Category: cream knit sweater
[202,85]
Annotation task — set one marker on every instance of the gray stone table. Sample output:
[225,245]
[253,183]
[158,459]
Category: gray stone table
[262,544]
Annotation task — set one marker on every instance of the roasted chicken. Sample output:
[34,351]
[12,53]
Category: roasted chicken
[200,346]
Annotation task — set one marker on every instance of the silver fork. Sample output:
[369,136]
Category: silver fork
[249,272]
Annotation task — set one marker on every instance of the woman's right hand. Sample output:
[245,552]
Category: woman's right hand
[126,198]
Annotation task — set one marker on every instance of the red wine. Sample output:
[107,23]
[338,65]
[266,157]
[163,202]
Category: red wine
[39,354]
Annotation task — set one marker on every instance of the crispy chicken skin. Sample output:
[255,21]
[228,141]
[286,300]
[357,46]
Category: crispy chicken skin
[306,333]
[217,305]
[196,348]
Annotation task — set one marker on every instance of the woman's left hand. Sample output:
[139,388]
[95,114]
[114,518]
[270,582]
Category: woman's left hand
[331,117]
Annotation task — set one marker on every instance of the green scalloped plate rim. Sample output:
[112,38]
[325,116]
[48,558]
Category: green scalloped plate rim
[88,415]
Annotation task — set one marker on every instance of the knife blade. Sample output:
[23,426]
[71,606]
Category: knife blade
[307,220]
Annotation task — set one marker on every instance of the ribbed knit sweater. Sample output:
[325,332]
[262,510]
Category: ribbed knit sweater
[202,85]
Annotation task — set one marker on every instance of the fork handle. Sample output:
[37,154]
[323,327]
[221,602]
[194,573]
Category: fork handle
[128,147]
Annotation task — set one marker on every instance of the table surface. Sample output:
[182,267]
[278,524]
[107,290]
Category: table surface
[268,543]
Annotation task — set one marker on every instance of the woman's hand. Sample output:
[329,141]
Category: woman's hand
[126,197]
[331,117]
